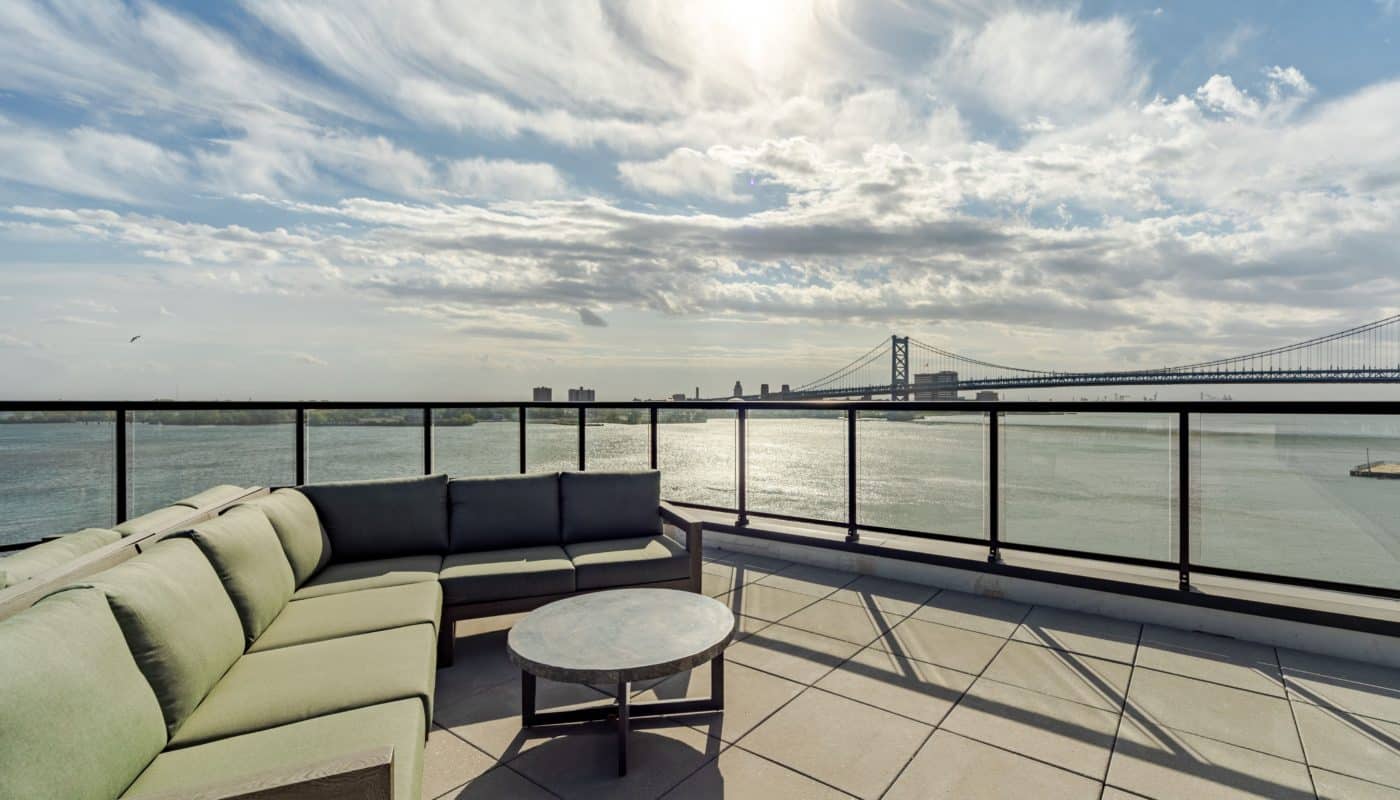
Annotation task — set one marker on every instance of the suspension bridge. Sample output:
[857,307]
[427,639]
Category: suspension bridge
[904,368]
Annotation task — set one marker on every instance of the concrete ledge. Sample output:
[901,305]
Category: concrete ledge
[1355,645]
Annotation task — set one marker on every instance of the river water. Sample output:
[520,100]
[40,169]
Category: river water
[1269,493]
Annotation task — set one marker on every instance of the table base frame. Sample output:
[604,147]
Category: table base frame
[622,709]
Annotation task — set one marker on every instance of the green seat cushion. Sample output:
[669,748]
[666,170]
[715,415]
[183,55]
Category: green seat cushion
[357,575]
[609,505]
[384,518]
[54,553]
[247,554]
[349,613]
[290,684]
[178,621]
[398,725]
[77,718]
[294,518]
[504,511]
[170,517]
[213,496]
[506,574]
[624,562]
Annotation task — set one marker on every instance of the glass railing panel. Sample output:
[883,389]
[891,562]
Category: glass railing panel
[56,473]
[695,451]
[350,444]
[476,441]
[174,454]
[551,439]
[618,439]
[1276,494]
[797,463]
[1097,483]
[922,471]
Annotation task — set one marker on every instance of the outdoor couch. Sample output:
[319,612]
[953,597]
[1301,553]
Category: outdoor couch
[286,648]
[57,551]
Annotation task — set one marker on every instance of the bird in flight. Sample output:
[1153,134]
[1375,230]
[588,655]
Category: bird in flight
[134,338]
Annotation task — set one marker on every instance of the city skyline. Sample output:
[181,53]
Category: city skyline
[276,201]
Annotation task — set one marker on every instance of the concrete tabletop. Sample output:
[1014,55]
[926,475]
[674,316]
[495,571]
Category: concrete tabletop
[620,635]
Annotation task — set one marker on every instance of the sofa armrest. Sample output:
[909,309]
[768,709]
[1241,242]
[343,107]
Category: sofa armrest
[694,533]
[366,775]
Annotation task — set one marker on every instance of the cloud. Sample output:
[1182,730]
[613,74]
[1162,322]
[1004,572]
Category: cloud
[591,319]
[165,312]
[682,172]
[88,162]
[307,358]
[11,341]
[504,179]
[72,320]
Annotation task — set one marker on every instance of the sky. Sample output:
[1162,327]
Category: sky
[291,200]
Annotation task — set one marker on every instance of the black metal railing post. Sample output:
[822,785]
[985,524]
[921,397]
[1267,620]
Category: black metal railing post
[742,421]
[427,440]
[1183,499]
[582,434]
[522,440]
[993,489]
[301,446]
[653,437]
[852,527]
[123,509]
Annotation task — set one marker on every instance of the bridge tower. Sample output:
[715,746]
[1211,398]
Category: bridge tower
[899,367]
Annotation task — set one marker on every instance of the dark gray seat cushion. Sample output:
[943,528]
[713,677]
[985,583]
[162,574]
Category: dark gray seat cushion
[627,562]
[506,574]
[501,512]
[382,519]
[609,505]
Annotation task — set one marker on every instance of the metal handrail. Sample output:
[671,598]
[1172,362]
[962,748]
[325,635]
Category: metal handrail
[993,410]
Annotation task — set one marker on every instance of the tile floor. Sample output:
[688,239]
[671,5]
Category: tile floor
[847,686]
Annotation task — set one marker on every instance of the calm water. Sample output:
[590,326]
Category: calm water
[1271,493]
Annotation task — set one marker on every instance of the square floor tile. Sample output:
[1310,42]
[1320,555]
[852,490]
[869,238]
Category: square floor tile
[1371,690]
[1332,786]
[765,602]
[854,747]
[740,775]
[1224,713]
[794,654]
[809,580]
[490,720]
[501,783]
[581,762]
[752,562]
[449,762]
[900,684]
[952,767]
[1158,762]
[479,663]
[1061,732]
[1092,635]
[962,650]
[1219,659]
[843,621]
[884,594]
[1353,745]
[974,612]
[1071,676]
[749,697]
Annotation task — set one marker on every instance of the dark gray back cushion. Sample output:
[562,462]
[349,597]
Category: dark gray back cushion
[505,511]
[609,505]
[384,518]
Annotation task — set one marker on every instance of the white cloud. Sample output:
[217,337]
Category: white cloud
[308,359]
[504,179]
[1220,94]
[683,172]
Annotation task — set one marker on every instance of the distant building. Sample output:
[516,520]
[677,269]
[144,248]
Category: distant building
[581,395]
[678,396]
[786,390]
[763,390]
[984,395]
[697,393]
[543,394]
[738,389]
[941,385]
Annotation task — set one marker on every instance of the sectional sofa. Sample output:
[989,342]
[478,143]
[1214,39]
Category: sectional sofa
[286,648]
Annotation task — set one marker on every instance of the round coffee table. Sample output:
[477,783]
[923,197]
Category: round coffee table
[616,637]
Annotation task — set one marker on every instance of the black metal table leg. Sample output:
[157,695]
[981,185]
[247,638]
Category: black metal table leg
[527,699]
[622,725]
